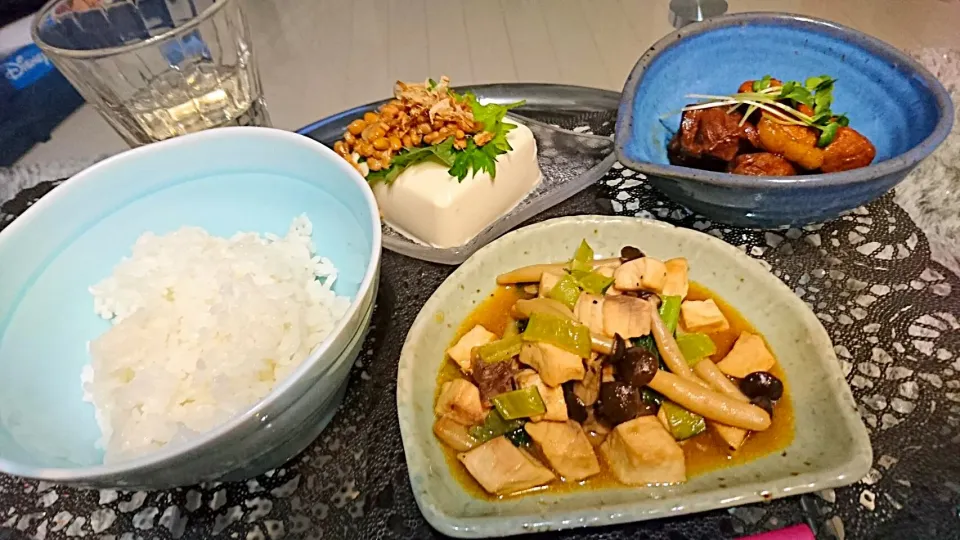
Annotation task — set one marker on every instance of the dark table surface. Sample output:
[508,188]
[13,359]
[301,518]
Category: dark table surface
[892,314]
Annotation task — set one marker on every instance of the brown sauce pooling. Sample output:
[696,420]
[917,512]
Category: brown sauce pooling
[702,453]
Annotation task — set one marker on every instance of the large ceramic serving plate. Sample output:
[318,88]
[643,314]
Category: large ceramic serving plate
[830,447]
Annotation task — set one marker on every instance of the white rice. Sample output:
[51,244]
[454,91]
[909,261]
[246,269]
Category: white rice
[203,328]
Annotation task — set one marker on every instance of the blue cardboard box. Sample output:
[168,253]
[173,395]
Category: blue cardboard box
[34,99]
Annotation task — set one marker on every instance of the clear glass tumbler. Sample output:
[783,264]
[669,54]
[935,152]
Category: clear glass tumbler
[156,69]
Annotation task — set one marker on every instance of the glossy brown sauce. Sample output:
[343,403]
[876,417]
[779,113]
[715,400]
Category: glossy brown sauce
[702,453]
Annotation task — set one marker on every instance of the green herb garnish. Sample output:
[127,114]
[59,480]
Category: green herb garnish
[780,102]
[474,158]
[761,84]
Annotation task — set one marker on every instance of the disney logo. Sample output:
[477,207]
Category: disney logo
[20,65]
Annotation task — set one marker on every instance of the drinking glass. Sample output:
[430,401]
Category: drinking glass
[156,69]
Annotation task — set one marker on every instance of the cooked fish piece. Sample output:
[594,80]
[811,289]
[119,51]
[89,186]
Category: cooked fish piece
[555,365]
[645,273]
[628,316]
[589,311]
[460,400]
[502,468]
[552,396]
[566,447]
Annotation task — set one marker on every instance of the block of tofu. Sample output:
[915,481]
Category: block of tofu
[547,281]
[642,452]
[589,311]
[555,365]
[677,282]
[703,316]
[459,399]
[645,273]
[730,437]
[462,350]
[628,316]
[566,447]
[502,468]
[748,354]
[431,207]
[552,396]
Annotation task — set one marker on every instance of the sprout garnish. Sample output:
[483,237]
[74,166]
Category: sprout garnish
[777,101]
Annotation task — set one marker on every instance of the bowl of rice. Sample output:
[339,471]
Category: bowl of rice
[186,311]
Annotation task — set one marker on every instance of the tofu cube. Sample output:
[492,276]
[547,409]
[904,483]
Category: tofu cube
[703,316]
[547,280]
[552,396]
[677,282]
[555,365]
[748,354]
[645,273]
[566,447]
[501,468]
[462,351]
[642,452]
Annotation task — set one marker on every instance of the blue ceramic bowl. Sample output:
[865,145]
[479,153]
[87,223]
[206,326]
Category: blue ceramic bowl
[889,97]
[225,180]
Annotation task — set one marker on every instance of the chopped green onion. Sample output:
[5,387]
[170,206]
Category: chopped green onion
[695,347]
[493,426]
[670,312]
[500,350]
[682,423]
[566,291]
[522,403]
[567,334]
[593,282]
[582,258]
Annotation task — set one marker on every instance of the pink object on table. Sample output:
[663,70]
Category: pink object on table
[797,532]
